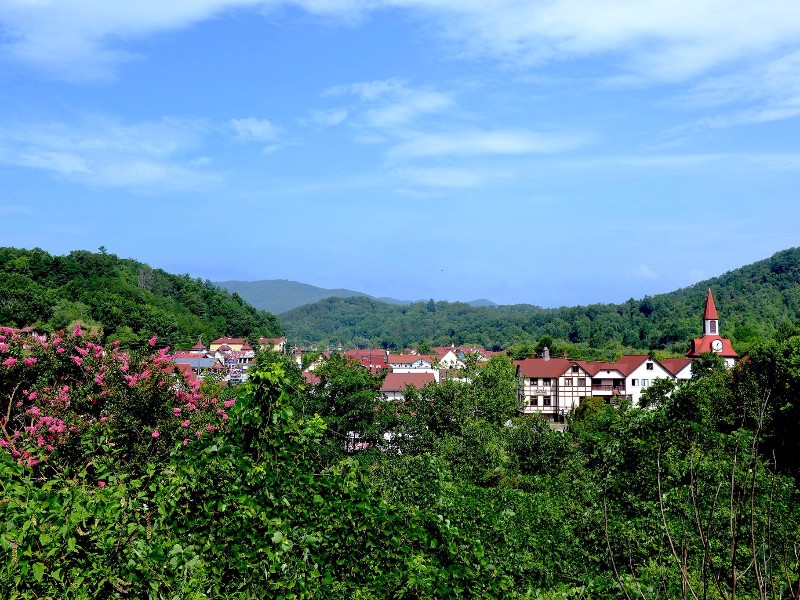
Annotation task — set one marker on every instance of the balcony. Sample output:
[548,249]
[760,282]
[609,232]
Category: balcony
[614,390]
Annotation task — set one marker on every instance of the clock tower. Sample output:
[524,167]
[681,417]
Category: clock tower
[711,340]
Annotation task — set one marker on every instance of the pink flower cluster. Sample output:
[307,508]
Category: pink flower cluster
[49,399]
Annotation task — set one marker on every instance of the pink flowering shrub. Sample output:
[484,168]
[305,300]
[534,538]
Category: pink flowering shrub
[56,388]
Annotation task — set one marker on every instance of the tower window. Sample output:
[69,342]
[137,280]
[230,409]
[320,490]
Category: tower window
[712,326]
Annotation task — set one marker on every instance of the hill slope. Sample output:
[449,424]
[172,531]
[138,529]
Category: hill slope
[128,299]
[282,295]
[753,302]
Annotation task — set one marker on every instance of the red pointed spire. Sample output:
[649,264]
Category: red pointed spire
[711,310]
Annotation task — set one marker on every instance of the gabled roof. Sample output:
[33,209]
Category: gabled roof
[625,365]
[594,367]
[409,359]
[539,367]
[311,378]
[711,309]
[676,365]
[397,382]
[273,341]
[229,341]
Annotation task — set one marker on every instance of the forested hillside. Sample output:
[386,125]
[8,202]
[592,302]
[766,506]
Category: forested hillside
[129,300]
[754,301]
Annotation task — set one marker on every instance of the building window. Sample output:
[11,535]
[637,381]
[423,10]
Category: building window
[534,401]
[546,381]
[645,382]
[634,382]
[546,401]
[574,368]
[567,381]
[649,366]
[534,380]
[712,325]
[581,381]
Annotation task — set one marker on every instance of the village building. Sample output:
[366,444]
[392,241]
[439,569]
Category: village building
[626,377]
[711,341]
[551,387]
[277,344]
[395,384]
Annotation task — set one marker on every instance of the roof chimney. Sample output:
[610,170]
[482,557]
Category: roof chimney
[546,353]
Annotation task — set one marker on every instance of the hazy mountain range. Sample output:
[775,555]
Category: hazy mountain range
[281,295]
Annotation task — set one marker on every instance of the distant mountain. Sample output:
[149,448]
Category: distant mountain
[482,302]
[754,302]
[281,295]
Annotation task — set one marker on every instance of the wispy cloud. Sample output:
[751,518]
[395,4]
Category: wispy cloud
[393,102]
[643,271]
[473,143]
[102,153]
[326,118]
[650,40]
[252,129]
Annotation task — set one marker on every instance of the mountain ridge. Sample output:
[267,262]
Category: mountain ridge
[282,295]
[754,302]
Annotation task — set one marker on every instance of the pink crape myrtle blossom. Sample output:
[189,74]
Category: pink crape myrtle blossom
[55,401]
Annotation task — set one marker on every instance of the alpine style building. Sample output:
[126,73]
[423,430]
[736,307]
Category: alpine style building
[553,387]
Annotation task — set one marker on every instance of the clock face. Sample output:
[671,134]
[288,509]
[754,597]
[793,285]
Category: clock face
[716,345]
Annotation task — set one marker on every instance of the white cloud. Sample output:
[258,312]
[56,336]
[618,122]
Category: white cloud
[254,130]
[472,143]
[150,156]
[644,272]
[661,40]
[327,118]
[393,103]
[761,93]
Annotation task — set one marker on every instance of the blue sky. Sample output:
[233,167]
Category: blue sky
[554,153]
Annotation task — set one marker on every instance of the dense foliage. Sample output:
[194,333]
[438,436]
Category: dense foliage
[117,479]
[755,301]
[128,300]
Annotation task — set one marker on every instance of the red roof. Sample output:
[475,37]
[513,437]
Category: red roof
[703,344]
[229,340]
[410,359]
[311,377]
[397,382]
[711,310]
[273,341]
[539,367]
[675,365]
